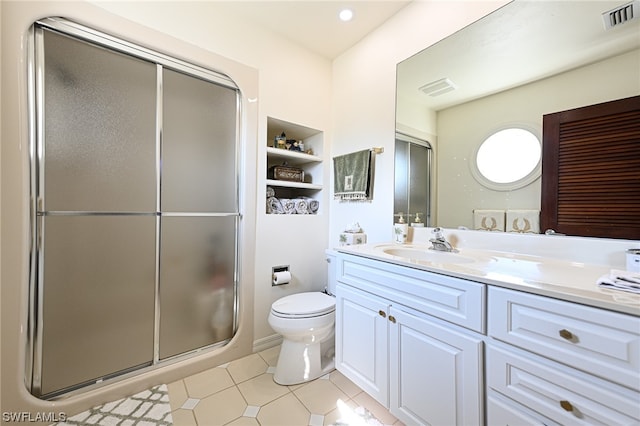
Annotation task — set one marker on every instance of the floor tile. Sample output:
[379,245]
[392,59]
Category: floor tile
[208,382]
[220,408]
[183,418]
[270,355]
[242,421]
[285,411]
[178,394]
[251,411]
[246,368]
[190,404]
[320,396]
[261,390]
[363,399]
[256,400]
[316,420]
[344,384]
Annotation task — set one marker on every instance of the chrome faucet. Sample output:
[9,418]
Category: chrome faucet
[439,243]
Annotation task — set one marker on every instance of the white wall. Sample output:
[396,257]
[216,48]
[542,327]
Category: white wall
[461,129]
[363,106]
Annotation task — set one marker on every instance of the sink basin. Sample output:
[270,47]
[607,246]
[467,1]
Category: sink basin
[428,255]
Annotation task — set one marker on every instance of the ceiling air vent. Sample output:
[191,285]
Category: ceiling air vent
[438,87]
[621,14]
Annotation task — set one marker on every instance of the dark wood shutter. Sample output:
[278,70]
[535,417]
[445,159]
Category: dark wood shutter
[591,170]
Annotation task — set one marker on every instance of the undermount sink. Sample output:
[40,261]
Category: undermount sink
[428,255]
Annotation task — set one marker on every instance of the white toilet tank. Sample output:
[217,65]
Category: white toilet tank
[332,270]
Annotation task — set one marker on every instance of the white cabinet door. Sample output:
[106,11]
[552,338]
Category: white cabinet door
[362,341]
[435,371]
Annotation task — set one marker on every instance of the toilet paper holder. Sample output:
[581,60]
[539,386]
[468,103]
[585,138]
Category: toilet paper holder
[276,270]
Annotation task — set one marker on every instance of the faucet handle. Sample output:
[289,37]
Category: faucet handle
[438,232]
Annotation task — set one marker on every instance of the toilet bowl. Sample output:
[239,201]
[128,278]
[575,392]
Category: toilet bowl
[306,322]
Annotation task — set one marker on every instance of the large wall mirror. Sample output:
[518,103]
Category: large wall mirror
[507,70]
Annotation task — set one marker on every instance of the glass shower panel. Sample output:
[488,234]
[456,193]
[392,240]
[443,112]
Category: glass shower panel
[100,119]
[99,286]
[401,191]
[198,145]
[197,282]
[419,164]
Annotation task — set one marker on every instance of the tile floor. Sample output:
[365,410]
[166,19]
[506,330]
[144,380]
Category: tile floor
[243,392]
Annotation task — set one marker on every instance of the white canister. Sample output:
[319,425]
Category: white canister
[633,260]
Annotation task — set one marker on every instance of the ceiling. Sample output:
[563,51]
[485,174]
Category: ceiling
[520,43]
[314,25]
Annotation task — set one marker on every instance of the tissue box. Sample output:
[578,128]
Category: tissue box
[352,238]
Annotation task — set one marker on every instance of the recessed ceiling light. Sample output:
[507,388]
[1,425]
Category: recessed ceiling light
[346,15]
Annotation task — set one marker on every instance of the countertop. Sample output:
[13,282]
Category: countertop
[558,278]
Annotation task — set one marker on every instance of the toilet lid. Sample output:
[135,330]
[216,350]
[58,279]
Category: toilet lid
[304,304]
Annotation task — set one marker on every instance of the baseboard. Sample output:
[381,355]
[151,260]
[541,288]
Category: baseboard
[267,342]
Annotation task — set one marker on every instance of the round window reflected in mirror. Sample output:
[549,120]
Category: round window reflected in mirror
[508,159]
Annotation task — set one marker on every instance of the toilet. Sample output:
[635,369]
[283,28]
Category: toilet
[306,322]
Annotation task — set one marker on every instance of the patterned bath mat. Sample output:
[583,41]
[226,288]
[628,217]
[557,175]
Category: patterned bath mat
[147,408]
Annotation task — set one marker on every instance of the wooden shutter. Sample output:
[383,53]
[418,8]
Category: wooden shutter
[591,170]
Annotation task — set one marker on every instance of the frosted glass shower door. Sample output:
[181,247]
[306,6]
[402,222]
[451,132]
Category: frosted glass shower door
[199,204]
[97,221]
[134,212]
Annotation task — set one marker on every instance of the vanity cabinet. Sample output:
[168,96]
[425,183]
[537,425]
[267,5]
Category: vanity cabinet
[566,363]
[392,340]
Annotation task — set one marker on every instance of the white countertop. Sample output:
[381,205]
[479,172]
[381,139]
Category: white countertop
[559,278]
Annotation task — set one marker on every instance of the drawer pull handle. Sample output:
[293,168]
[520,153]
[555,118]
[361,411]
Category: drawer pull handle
[392,319]
[566,405]
[382,313]
[566,334]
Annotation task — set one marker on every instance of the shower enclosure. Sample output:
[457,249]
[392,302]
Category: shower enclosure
[412,180]
[135,212]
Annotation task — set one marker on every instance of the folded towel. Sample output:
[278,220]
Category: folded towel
[301,206]
[621,280]
[270,192]
[274,206]
[288,205]
[523,221]
[352,176]
[488,220]
[314,206]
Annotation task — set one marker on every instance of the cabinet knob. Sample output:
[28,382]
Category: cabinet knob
[566,405]
[567,335]
[382,313]
[392,319]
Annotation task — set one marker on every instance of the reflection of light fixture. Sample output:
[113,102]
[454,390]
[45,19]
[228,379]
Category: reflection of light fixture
[346,15]
[438,87]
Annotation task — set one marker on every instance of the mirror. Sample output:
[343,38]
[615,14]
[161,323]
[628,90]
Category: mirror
[526,59]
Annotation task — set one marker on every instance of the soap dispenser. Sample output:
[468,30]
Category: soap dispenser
[418,222]
[400,229]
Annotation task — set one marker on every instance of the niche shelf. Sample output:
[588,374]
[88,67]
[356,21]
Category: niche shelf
[310,161]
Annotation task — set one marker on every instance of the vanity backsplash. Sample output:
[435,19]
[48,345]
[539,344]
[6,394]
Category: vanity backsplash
[598,251]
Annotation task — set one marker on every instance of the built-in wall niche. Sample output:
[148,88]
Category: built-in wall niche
[301,151]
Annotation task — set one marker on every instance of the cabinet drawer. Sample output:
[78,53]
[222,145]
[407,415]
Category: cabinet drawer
[451,299]
[502,411]
[597,341]
[565,395]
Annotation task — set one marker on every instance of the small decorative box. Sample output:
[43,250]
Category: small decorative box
[292,174]
[352,238]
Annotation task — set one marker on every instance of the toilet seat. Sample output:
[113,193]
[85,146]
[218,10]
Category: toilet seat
[304,305]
